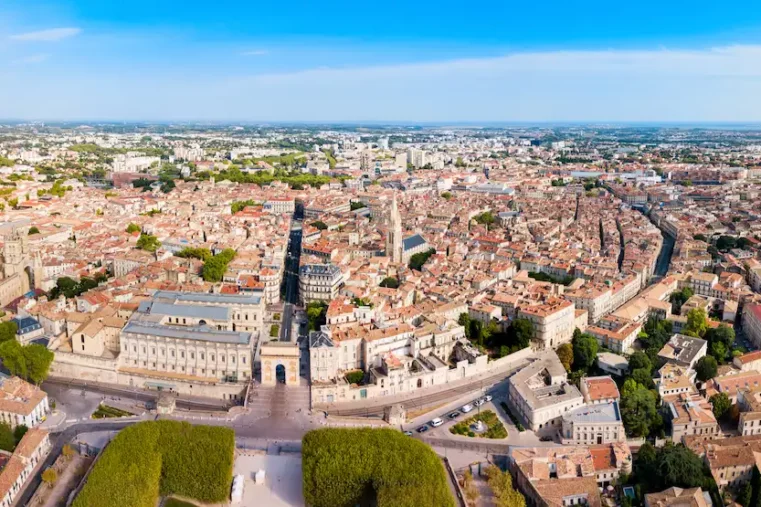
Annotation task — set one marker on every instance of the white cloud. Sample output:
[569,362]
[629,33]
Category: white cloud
[712,84]
[38,58]
[256,52]
[51,35]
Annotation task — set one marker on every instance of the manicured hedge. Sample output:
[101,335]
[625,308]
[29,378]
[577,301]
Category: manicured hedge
[345,467]
[162,458]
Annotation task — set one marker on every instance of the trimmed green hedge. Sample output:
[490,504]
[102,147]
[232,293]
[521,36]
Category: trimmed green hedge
[157,458]
[345,467]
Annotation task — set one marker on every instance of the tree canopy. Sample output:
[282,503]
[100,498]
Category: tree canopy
[721,404]
[345,467]
[585,348]
[160,458]
[30,362]
[214,268]
[132,228]
[638,408]
[390,283]
[148,242]
[706,368]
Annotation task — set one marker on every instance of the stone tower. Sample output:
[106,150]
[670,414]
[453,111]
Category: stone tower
[394,241]
[16,256]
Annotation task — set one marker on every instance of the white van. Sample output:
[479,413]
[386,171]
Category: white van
[436,422]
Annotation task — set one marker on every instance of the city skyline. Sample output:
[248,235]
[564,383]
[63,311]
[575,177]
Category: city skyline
[68,60]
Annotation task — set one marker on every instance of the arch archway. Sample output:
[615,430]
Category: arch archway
[280,363]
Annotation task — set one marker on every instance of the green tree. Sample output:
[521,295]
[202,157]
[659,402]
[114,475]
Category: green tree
[49,477]
[19,432]
[316,313]
[723,334]
[33,230]
[447,195]
[501,484]
[584,351]
[721,404]
[697,323]
[706,368]
[390,283]
[38,359]
[464,321]
[719,351]
[203,254]
[214,268]
[148,242]
[459,162]
[12,355]
[638,408]
[639,360]
[417,260]
[565,354]
[8,331]
[237,206]
[679,466]
[520,333]
[132,228]
[319,224]
[7,440]
[486,218]
[680,297]
[745,494]
[643,377]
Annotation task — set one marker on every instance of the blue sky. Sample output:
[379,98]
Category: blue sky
[424,61]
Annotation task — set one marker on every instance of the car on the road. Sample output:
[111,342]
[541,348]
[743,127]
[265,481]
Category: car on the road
[408,433]
[454,415]
[436,422]
[423,428]
[466,408]
[545,439]
[488,398]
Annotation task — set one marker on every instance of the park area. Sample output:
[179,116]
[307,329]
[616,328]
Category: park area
[371,467]
[491,426]
[156,459]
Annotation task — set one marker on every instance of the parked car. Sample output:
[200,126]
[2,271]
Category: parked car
[488,397]
[408,433]
[454,415]
[466,408]
[436,422]
[423,428]
[545,439]
[479,402]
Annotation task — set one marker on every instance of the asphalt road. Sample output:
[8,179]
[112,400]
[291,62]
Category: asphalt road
[291,281]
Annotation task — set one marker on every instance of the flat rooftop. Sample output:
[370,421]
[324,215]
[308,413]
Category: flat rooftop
[600,413]
[198,333]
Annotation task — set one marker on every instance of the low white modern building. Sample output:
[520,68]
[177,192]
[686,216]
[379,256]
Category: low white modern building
[593,425]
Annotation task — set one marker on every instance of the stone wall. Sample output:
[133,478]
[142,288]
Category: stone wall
[324,395]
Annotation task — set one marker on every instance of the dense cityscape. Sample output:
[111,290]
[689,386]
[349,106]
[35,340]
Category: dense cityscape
[547,315]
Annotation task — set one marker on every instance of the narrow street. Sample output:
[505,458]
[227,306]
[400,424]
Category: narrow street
[291,281]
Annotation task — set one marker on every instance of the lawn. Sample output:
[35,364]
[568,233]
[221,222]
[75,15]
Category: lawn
[105,412]
[495,428]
